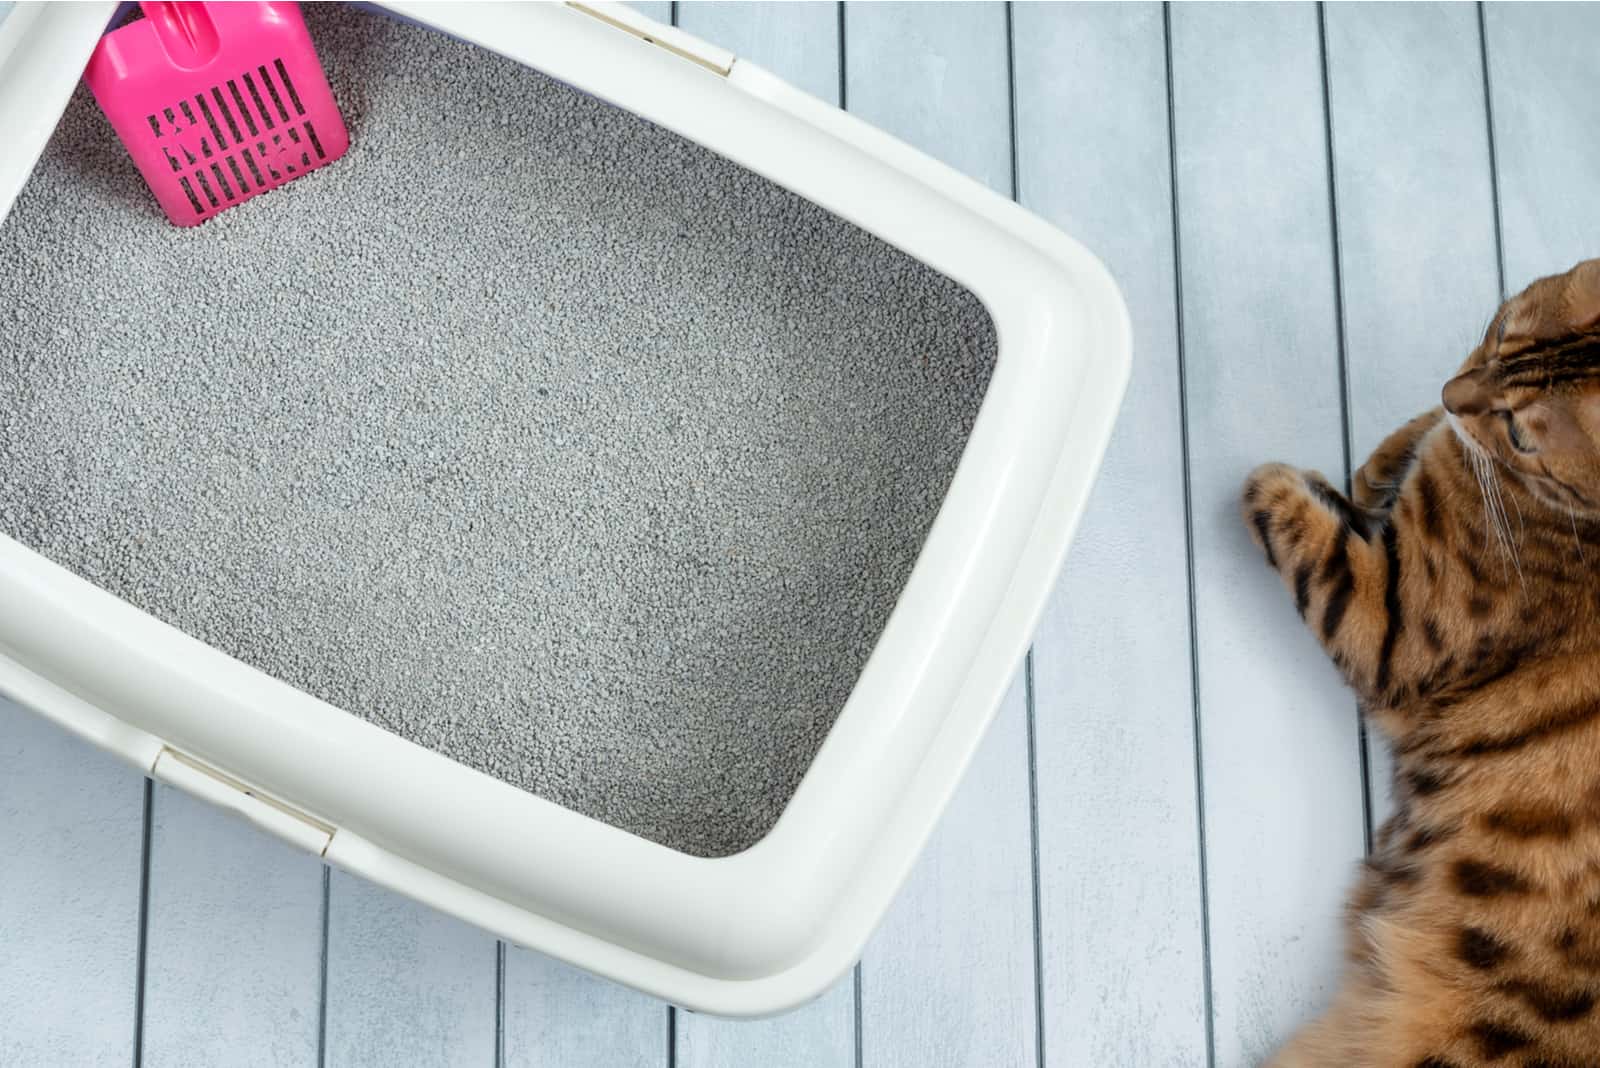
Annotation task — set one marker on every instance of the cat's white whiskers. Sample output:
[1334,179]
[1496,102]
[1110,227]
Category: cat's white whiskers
[1494,506]
[1495,516]
[1513,545]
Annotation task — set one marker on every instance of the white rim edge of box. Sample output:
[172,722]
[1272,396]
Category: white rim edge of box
[775,925]
[60,38]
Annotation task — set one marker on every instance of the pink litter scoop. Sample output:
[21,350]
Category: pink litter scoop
[217,102]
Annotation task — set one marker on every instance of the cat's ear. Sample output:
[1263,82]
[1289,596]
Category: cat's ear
[1583,295]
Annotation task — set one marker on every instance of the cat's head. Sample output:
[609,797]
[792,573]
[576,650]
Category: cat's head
[1529,395]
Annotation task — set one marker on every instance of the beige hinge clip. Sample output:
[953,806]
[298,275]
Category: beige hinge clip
[714,59]
[207,783]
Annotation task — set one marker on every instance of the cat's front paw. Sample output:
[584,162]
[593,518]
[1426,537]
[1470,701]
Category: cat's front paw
[1267,491]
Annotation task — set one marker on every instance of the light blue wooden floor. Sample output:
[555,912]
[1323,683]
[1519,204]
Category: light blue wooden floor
[1312,214]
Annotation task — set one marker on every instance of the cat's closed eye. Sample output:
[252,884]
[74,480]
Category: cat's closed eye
[1518,441]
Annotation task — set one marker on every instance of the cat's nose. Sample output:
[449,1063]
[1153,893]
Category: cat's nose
[1465,395]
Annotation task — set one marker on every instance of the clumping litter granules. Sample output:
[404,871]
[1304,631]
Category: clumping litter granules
[529,431]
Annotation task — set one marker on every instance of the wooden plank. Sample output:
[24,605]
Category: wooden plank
[660,10]
[559,1017]
[934,76]
[234,945]
[799,42]
[1281,772]
[818,1035]
[71,835]
[406,984]
[950,977]
[1121,924]
[1416,219]
[1546,112]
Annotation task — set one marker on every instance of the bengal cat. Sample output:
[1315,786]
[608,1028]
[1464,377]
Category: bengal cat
[1458,590]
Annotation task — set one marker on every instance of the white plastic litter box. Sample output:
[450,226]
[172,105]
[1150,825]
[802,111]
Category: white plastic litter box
[774,925]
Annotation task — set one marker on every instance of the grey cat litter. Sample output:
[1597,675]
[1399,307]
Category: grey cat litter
[528,431]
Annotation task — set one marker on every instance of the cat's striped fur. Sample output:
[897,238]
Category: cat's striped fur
[1458,590]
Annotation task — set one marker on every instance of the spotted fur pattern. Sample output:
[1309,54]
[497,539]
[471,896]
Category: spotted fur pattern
[1457,589]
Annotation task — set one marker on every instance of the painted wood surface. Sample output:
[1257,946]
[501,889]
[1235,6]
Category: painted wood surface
[1416,220]
[1546,112]
[71,838]
[1118,833]
[819,1035]
[949,979]
[233,964]
[559,1017]
[405,984]
[1282,794]
[660,10]
[799,42]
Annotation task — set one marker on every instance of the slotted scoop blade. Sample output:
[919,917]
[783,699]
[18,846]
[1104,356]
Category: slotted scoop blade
[217,102]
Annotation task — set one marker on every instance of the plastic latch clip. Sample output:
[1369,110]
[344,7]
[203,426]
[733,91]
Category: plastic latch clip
[207,783]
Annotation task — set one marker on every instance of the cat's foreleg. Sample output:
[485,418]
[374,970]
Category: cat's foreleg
[1340,565]
[1376,484]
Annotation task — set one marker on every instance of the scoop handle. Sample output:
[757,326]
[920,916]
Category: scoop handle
[185,30]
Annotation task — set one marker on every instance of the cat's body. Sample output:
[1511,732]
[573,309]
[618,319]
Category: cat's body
[1459,594]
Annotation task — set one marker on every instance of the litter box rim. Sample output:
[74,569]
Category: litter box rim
[744,935]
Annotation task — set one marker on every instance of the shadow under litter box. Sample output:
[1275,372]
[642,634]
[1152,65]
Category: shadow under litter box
[529,431]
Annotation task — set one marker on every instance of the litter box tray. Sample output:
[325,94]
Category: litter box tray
[786,904]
